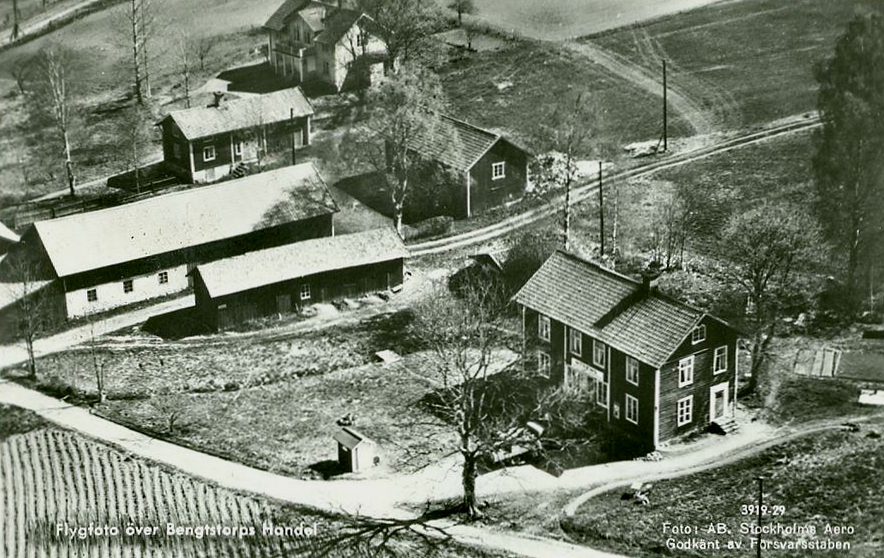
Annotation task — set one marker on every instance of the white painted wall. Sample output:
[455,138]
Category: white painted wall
[111,295]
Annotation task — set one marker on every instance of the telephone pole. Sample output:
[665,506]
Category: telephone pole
[665,110]
[601,214]
[292,123]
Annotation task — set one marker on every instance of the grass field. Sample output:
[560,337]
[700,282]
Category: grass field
[561,19]
[49,476]
[823,479]
[752,59]
[516,89]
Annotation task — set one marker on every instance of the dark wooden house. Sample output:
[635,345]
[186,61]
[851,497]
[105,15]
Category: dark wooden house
[657,368]
[131,253]
[204,144]
[280,280]
[489,169]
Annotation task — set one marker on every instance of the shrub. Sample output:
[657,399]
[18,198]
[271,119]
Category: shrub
[434,226]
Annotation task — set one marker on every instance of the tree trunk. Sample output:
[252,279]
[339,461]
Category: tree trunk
[15,15]
[468,480]
[69,165]
[32,360]
[136,63]
[566,226]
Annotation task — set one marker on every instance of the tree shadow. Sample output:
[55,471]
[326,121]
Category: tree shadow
[369,189]
[256,78]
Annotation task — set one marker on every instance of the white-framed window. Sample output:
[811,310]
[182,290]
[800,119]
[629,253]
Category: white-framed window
[616,410]
[305,292]
[599,353]
[176,150]
[698,335]
[601,394]
[632,371]
[719,361]
[128,286]
[543,328]
[575,342]
[686,371]
[544,364]
[361,39]
[578,380]
[163,277]
[685,410]
[209,153]
[498,170]
[175,132]
[631,409]
[237,149]
[92,295]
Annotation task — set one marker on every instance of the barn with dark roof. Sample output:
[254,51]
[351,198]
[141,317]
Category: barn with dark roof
[491,170]
[655,367]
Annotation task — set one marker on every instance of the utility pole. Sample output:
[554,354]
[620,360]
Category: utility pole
[665,110]
[601,214]
[292,122]
[760,500]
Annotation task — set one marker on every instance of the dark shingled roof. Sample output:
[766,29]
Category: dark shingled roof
[301,259]
[337,24]
[283,12]
[239,114]
[454,143]
[610,307]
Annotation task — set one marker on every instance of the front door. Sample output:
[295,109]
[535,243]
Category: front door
[284,303]
[718,401]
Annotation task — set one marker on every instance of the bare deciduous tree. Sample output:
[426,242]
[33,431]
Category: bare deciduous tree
[27,287]
[184,48]
[138,26]
[402,109]
[53,95]
[462,7]
[204,46]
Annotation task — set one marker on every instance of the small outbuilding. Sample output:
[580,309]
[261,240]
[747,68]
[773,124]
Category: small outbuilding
[283,279]
[355,451]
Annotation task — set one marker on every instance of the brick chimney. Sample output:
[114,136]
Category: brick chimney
[650,274]
[219,96]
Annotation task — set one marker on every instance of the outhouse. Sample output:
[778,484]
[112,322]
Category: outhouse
[355,451]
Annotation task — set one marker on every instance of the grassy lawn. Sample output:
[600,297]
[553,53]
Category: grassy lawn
[287,427]
[748,81]
[820,479]
[511,90]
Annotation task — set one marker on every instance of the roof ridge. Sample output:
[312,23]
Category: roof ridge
[468,124]
[179,193]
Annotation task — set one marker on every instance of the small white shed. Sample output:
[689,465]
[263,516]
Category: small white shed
[355,451]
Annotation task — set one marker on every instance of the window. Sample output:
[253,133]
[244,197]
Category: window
[719,362]
[543,328]
[297,34]
[91,295]
[361,39]
[128,286]
[543,363]
[305,292]
[209,153]
[237,149]
[685,410]
[601,394]
[686,371]
[577,379]
[498,171]
[599,353]
[632,371]
[631,409]
[325,68]
[616,410]
[698,335]
[576,342]
[175,132]
[163,277]
[176,150]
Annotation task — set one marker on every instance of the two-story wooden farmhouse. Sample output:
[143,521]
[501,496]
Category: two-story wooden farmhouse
[492,169]
[657,368]
[132,253]
[310,40]
[279,280]
[204,144]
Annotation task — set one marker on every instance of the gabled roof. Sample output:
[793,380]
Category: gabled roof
[337,24]
[282,14]
[7,234]
[239,114]
[455,143]
[163,224]
[350,437]
[301,259]
[610,307]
